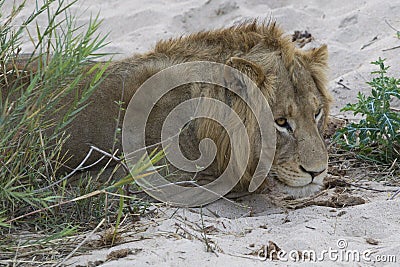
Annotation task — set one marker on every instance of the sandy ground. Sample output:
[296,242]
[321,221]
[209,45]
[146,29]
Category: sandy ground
[356,34]
[239,232]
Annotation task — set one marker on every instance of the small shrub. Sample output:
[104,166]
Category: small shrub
[376,136]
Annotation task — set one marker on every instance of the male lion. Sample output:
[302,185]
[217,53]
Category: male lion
[293,81]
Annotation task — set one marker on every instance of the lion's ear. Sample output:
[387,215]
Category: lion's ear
[318,64]
[251,69]
[318,55]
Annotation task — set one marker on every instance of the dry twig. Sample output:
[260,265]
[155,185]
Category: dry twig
[81,244]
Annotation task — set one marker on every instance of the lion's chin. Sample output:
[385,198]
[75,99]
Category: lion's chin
[276,186]
[301,191]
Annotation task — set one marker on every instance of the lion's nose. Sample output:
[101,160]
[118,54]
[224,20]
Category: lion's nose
[313,174]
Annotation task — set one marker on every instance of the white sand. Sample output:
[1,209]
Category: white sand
[346,26]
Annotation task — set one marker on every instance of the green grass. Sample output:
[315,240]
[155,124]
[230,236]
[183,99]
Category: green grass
[376,137]
[30,141]
[33,196]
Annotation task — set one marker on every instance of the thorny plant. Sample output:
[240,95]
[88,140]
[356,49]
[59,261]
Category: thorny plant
[376,137]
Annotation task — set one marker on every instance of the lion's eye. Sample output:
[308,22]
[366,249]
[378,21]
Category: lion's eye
[282,122]
[318,114]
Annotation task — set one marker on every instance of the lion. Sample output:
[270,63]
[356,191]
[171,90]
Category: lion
[293,81]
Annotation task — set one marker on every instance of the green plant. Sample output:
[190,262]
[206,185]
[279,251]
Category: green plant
[56,77]
[30,140]
[376,136]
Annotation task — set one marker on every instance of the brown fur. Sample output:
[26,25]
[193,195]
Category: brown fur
[289,78]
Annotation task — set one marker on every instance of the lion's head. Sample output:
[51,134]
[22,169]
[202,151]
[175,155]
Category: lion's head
[300,112]
[300,109]
[294,82]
